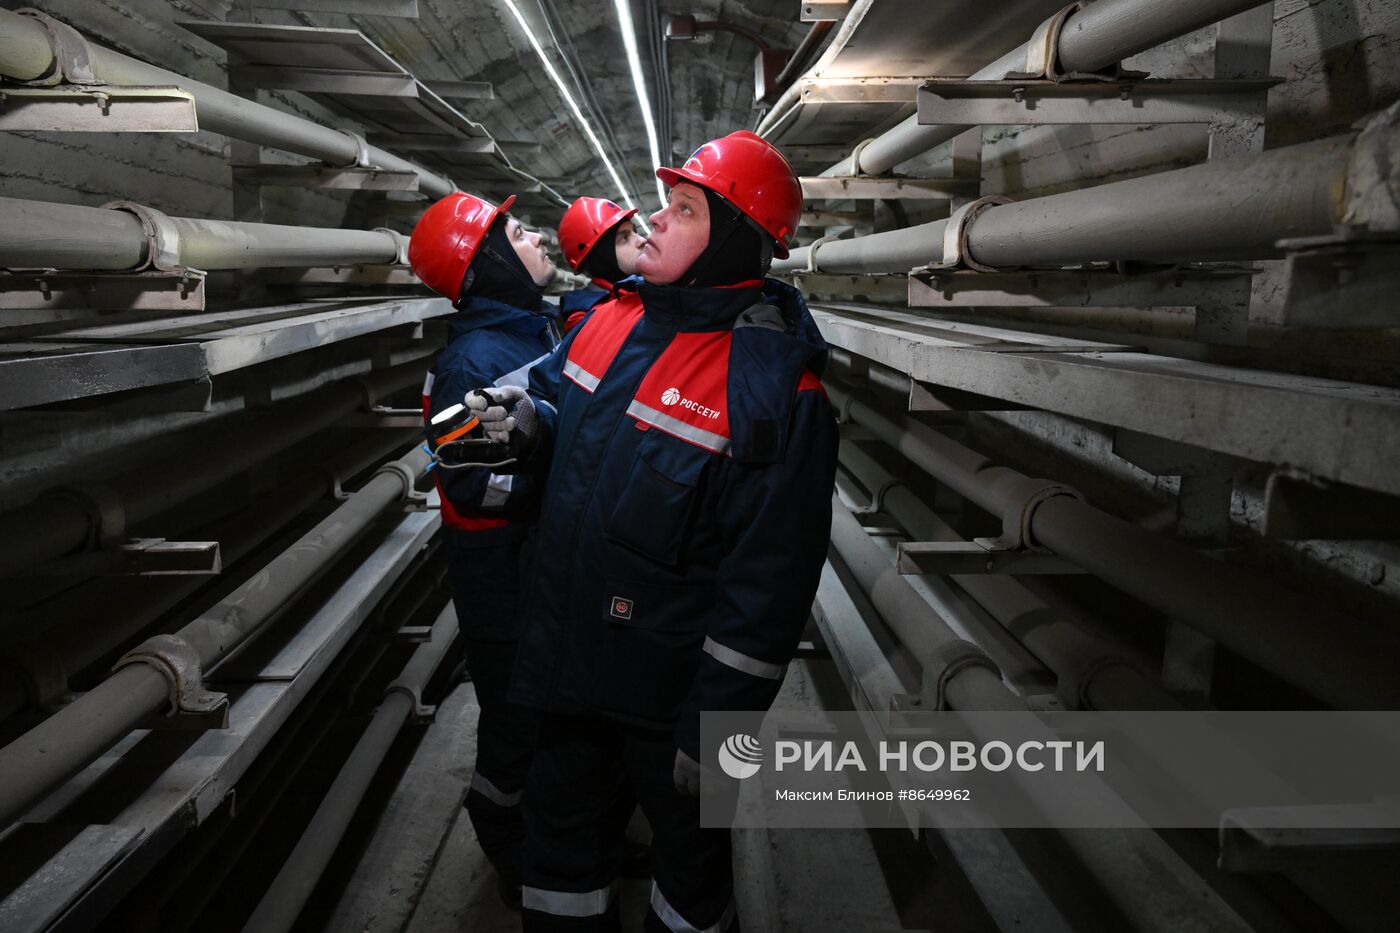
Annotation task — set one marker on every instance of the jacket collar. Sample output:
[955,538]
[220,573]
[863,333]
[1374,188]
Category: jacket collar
[697,309]
[476,313]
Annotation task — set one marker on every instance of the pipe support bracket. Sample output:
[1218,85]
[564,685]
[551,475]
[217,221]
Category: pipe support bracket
[362,159]
[812,267]
[422,713]
[406,476]
[854,167]
[162,239]
[400,245]
[176,660]
[104,507]
[944,663]
[955,232]
[72,57]
[1016,520]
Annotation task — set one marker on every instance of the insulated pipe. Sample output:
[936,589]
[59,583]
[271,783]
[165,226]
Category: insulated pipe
[1091,672]
[1137,870]
[1293,637]
[45,756]
[911,618]
[42,235]
[1097,36]
[280,906]
[68,518]
[1235,209]
[65,637]
[25,54]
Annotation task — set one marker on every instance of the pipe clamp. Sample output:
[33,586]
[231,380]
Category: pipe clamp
[854,167]
[406,476]
[72,57]
[176,660]
[362,159]
[422,713]
[1016,520]
[812,267]
[162,239]
[104,507]
[955,232]
[400,245]
[944,663]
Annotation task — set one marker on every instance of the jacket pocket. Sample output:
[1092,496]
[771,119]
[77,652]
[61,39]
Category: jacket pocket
[651,646]
[653,514]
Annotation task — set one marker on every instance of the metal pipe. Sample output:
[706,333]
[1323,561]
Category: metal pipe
[911,618]
[1091,672]
[25,54]
[1234,209]
[63,636]
[51,752]
[1136,869]
[41,235]
[815,34]
[1095,37]
[280,906]
[58,523]
[1295,638]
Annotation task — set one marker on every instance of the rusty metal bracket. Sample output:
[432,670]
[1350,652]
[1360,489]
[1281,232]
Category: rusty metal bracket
[72,56]
[944,663]
[191,705]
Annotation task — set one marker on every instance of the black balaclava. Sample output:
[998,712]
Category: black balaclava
[496,272]
[601,261]
[737,250]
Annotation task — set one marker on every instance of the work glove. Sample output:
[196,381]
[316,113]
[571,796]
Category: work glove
[508,417]
[686,775]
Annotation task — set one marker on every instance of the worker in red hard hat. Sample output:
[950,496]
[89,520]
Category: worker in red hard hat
[690,451]
[599,240]
[493,270]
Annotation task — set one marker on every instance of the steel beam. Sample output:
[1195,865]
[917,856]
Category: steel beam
[108,109]
[869,90]
[944,558]
[325,178]
[860,188]
[1344,432]
[1071,288]
[1032,103]
[329,81]
[408,9]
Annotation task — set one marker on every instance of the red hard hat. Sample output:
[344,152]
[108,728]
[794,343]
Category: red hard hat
[749,172]
[584,224]
[446,238]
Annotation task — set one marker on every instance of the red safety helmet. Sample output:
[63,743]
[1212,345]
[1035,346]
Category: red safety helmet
[584,224]
[749,172]
[446,238]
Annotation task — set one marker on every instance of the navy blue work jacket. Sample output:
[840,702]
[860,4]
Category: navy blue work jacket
[691,452]
[489,344]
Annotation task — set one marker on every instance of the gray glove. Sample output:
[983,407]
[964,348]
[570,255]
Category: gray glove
[686,775]
[508,417]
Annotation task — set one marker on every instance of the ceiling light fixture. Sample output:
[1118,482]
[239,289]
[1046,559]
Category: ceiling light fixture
[634,60]
[573,106]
